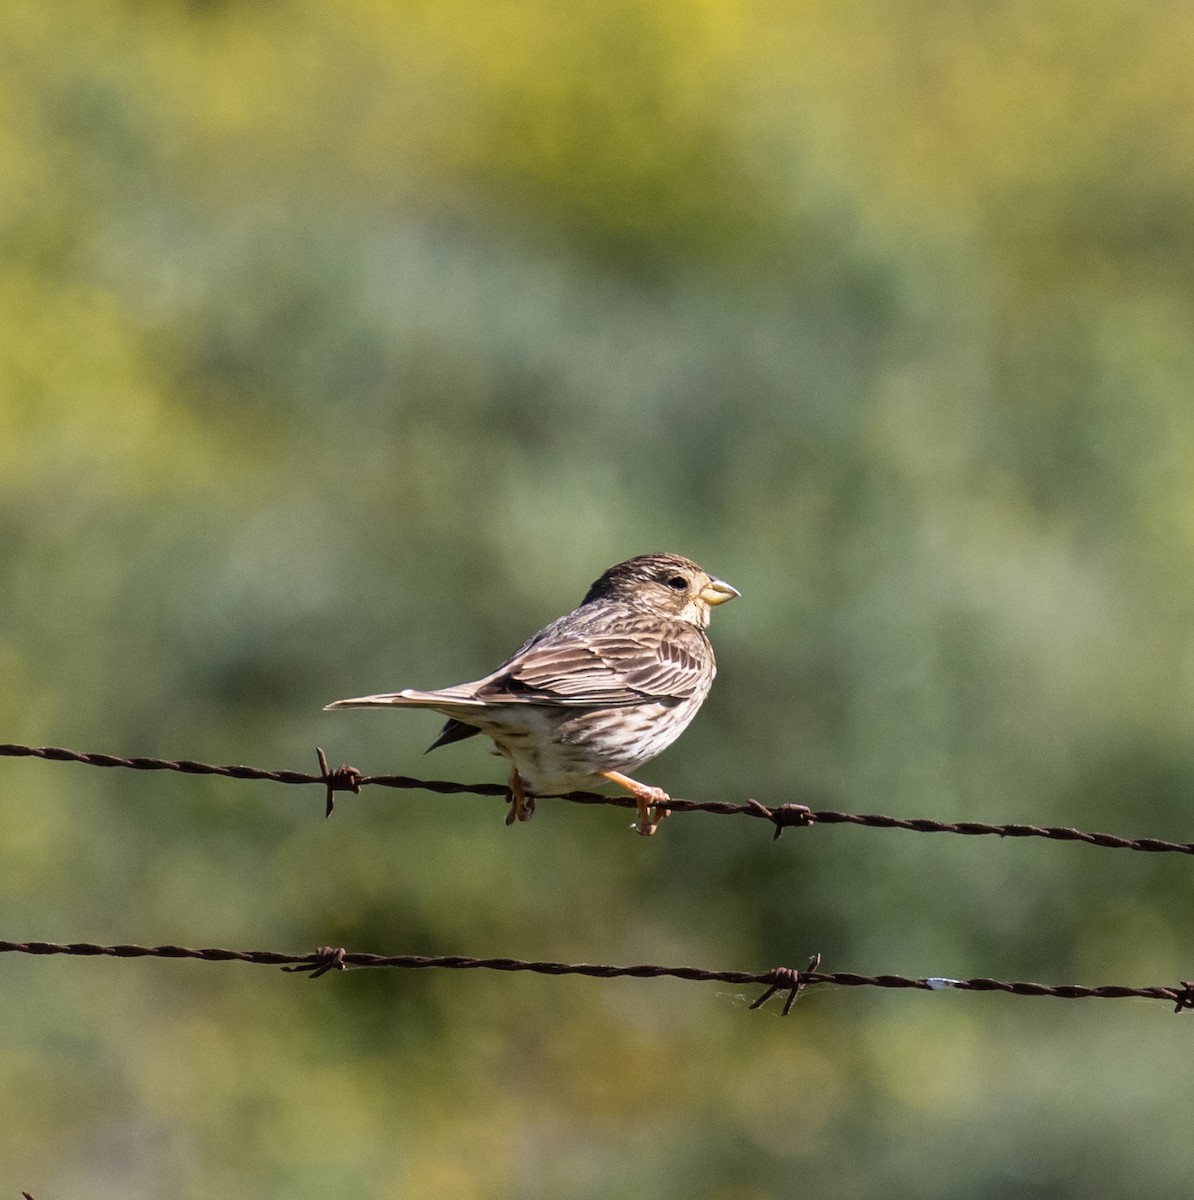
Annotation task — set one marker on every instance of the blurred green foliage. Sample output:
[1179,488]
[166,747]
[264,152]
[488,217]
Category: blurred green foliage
[341,346]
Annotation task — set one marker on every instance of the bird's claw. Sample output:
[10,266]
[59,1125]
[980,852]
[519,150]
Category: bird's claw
[652,809]
[522,805]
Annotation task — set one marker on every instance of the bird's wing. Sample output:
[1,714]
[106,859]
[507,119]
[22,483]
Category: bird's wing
[640,659]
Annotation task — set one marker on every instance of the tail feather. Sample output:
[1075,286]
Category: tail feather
[453,731]
[409,698]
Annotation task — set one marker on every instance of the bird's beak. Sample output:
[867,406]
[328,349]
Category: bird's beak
[716,591]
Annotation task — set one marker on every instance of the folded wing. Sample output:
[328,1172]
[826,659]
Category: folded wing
[640,660]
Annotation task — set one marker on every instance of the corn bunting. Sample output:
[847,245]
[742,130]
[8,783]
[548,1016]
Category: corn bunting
[596,693]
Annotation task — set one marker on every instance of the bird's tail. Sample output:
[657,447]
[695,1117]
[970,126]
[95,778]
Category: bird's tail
[409,698]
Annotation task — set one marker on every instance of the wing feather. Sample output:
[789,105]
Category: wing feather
[641,659]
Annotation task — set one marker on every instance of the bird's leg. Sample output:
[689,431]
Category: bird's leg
[652,801]
[521,805]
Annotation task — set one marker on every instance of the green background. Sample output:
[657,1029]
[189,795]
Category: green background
[342,346]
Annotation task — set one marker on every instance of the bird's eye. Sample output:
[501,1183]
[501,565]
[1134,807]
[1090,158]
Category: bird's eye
[678,582]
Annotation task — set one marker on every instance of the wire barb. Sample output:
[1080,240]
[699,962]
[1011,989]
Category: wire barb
[325,959]
[1184,996]
[342,779]
[787,979]
[782,816]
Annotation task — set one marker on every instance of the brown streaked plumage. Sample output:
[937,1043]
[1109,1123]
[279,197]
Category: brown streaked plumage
[596,693]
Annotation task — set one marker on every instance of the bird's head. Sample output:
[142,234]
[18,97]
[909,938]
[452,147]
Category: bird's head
[666,584]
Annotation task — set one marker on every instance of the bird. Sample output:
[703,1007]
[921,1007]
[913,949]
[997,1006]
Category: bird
[595,694]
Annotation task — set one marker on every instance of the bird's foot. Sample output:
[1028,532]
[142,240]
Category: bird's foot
[522,804]
[651,812]
[652,802]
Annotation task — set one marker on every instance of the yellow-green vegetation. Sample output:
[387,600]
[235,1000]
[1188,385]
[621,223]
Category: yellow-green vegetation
[342,345]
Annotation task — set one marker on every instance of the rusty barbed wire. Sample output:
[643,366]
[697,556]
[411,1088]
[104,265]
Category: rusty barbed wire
[781,816]
[777,979]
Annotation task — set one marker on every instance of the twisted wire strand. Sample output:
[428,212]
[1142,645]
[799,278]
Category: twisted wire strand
[777,979]
[781,816]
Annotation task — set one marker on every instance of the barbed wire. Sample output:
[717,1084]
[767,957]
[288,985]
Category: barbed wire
[781,816]
[787,980]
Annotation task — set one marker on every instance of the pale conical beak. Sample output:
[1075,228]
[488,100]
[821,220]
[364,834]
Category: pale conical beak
[716,591]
